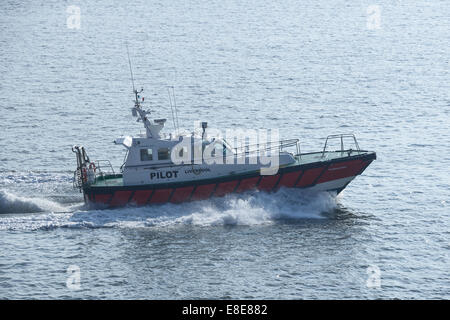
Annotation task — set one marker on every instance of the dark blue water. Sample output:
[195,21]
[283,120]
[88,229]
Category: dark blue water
[309,68]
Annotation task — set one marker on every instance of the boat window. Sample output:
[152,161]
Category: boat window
[146,154]
[163,154]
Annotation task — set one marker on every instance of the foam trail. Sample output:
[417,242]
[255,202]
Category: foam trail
[10,203]
[255,208]
[258,208]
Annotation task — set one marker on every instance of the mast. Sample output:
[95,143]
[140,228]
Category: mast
[152,130]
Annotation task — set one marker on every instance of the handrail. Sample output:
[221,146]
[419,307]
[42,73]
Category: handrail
[107,164]
[268,146]
[100,172]
[341,137]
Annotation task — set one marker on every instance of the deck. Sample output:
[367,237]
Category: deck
[303,159]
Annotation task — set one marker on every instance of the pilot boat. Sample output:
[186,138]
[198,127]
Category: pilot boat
[175,168]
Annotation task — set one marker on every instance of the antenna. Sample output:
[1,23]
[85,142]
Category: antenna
[136,93]
[171,109]
[131,70]
[175,105]
[137,110]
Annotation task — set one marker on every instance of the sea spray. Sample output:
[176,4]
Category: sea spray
[11,203]
[251,208]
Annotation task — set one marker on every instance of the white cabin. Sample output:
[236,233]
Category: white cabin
[158,159]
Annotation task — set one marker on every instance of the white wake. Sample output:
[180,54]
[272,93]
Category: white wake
[256,208]
[11,203]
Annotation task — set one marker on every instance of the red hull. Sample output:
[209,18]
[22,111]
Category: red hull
[341,173]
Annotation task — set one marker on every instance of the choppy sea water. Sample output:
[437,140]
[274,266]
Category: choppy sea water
[379,69]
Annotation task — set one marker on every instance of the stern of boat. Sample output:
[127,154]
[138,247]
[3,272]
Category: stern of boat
[88,172]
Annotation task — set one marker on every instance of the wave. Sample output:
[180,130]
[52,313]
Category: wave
[255,208]
[11,203]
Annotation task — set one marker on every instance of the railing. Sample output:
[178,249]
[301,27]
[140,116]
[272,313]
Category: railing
[341,137]
[88,171]
[104,163]
[100,166]
[280,145]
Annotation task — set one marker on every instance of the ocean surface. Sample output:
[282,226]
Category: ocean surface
[378,69]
